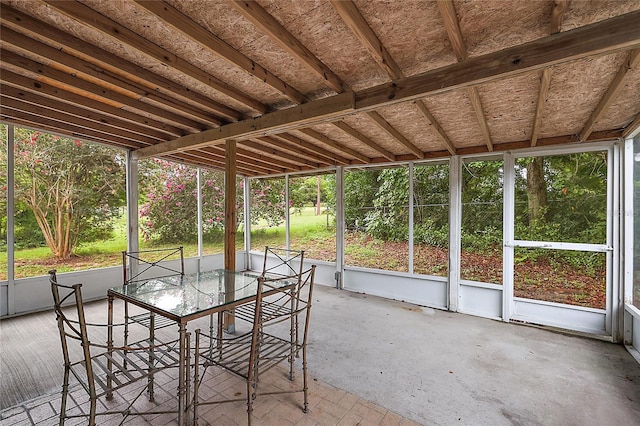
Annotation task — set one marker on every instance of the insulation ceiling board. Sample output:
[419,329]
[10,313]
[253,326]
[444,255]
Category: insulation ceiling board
[345,140]
[365,125]
[625,107]
[585,12]
[575,90]
[509,106]
[411,123]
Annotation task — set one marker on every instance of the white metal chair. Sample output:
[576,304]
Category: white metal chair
[267,344]
[104,368]
[138,266]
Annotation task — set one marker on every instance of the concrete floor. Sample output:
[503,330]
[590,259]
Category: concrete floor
[441,368]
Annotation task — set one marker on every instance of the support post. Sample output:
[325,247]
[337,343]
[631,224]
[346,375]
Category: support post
[230,219]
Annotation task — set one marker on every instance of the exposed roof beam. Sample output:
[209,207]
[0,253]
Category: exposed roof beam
[325,109]
[608,36]
[270,26]
[278,154]
[545,81]
[86,71]
[395,134]
[88,16]
[296,149]
[247,161]
[557,15]
[29,85]
[105,61]
[171,16]
[425,111]
[85,88]
[451,24]
[630,63]
[331,156]
[362,138]
[333,144]
[631,127]
[359,26]
[612,35]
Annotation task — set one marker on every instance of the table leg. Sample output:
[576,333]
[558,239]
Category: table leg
[109,343]
[182,394]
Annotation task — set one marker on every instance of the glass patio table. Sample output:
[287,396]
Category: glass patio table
[185,298]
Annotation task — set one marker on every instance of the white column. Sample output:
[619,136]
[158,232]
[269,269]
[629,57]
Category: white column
[508,215]
[132,209]
[340,226]
[455,231]
[11,309]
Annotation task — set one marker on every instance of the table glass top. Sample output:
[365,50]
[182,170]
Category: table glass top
[194,293]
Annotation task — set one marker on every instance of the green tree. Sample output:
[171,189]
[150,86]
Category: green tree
[73,189]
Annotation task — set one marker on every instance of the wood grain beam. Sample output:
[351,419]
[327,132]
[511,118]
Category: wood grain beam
[359,26]
[32,86]
[631,127]
[604,37]
[451,24]
[365,140]
[91,90]
[322,110]
[104,61]
[278,154]
[82,69]
[631,62]
[557,15]
[171,16]
[295,149]
[443,135]
[88,16]
[330,156]
[545,82]
[384,124]
[271,27]
[335,145]
[230,213]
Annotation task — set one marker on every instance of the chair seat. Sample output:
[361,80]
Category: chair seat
[128,366]
[233,354]
[144,319]
[270,311]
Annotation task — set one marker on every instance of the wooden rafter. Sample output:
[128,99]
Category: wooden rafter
[296,150]
[362,138]
[384,124]
[270,26]
[104,61]
[28,85]
[87,71]
[612,35]
[630,63]
[278,154]
[359,26]
[331,156]
[335,145]
[557,16]
[631,127]
[171,16]
[69,82]
[86,15]
[451,24]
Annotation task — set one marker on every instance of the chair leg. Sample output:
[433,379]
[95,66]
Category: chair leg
[250,397]
[305,388]
[65,393]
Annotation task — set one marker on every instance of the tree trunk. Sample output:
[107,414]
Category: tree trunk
[536,190]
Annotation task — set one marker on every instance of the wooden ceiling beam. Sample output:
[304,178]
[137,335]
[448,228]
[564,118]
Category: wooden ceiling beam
[288,147]
[359,26]
[85,88]
[365,140]
[326,109]
[278,155]
[335,145]
[50,112]
[631,127]
[171,16]
[631,62]
[88,16]
[451,24]
[44,90]
[104,61]
[86,71]
[557,15]
[246,160]
[604,37]
[384,124]
[271,27]
[368,38]
[330,156]
[256,155]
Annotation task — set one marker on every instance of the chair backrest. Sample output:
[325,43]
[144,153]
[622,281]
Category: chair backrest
[153,263]
[70,328]
[283,262]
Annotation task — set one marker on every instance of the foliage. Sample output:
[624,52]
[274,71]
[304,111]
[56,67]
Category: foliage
[72,189]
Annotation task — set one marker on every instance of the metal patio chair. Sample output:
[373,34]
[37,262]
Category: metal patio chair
[102,369]
[269,342]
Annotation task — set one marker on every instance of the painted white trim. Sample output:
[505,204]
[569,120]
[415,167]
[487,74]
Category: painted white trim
[508,235]
[340,226]
[615,304]
[199,208]
[455,232]
[11,203]
[563,246]
[411,242]
[132,190]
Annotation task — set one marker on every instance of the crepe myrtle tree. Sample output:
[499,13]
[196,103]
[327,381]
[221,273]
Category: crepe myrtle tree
[74,189]
[170,201]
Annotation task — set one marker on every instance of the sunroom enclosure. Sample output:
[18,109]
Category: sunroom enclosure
[442,278]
